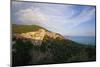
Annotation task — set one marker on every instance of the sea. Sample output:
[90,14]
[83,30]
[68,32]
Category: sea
[87,40]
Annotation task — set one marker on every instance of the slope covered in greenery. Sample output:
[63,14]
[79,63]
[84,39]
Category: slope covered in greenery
[51,51]
[24,28]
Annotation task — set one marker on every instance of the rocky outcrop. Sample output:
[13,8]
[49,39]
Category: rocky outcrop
[36,37]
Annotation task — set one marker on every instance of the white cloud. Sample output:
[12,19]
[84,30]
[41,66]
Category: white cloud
[83,17]
[30,16]
[54,18]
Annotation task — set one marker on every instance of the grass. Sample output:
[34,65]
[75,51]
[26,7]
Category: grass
[24,28]
[51,51]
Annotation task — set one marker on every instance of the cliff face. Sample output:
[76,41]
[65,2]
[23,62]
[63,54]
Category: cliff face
[37,37]
[36,45]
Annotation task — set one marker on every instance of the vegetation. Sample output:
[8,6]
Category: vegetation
[51,51]
[24,28]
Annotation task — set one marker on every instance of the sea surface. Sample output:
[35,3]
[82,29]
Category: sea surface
[88,40]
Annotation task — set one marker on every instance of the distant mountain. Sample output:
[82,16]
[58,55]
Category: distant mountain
[32,44]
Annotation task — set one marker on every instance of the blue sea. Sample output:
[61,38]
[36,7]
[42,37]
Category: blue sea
[88,40]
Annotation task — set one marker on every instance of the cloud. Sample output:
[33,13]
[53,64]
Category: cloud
[30,16]
[57,18]
[83,17]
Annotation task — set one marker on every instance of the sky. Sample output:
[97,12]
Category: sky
[65,19]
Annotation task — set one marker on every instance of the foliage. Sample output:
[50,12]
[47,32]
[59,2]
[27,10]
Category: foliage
[24,52]
[24,28]
[52,51]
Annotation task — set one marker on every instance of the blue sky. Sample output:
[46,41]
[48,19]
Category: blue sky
[68,20]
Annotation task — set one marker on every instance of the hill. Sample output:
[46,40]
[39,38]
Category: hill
[35,45]
[24,28]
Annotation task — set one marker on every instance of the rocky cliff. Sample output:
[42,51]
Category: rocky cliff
[32,45]
[37,37]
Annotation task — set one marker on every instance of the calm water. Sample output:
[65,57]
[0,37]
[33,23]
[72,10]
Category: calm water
[83,39]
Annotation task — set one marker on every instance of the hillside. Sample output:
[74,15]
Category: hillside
[33,44]
[24,28]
